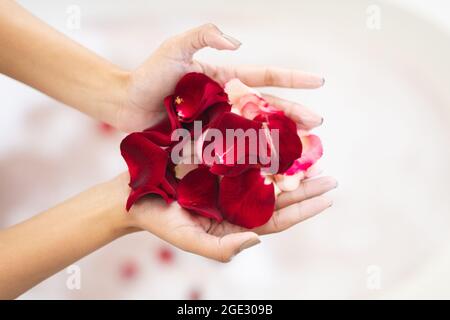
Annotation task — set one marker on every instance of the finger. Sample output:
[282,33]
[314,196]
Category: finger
[208,35]
[287,217]
[255,76]
[222,249]
[307,189]
[306,118]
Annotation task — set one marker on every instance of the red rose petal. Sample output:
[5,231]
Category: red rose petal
[146,161]
[245,200]
[171,114]
[231,170]
[160,134]
[252,106]
[231,160]
[147,164]
[213,113]
[194,294]
[209,117]
[129,270]
[312,151]
[198,192]
[165,255]
[106,128]
[194,93]
[136,194]
[290,145]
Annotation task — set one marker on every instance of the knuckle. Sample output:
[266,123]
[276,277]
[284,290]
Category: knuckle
[304,190]
[276,221]
[300,208]
[209,27]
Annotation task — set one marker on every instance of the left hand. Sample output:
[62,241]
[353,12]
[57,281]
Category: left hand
[157,76]
[222,241]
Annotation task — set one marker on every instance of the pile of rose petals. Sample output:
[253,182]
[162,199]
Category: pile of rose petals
[241,192]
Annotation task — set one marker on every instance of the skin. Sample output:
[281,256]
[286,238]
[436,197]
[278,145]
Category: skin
[37,55]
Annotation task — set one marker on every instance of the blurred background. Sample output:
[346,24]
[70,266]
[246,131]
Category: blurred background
[386,104]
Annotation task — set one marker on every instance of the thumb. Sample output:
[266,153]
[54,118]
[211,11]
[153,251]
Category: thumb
[187,44]
[233,243]
[222,249]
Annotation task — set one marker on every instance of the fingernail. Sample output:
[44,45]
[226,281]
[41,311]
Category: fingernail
[311,119]
[329,183]
[235,42]
[249,243]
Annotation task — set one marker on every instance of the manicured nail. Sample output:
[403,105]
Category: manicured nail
[235,42]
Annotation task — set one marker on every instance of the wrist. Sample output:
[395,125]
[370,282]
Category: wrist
[119,220]
[116,95]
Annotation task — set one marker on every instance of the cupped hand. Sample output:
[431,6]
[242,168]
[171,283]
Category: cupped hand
[157,76]
[222,241]
[143,107]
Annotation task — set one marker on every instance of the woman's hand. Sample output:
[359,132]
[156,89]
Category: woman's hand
[156,78]
[130,101]
[222,241]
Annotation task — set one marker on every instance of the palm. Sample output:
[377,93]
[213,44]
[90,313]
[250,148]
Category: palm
[156,79]
[147,91]
[223,240]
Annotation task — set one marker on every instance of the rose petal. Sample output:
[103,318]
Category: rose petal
[312,151]
[209,117]
[231,159]
[289,145]
[194,93]
[252,106]
[166,255]
[213,113]
[198,192]
[288,182]
[231,170]
[146,161]
[147,164]
[246,200]
[160,134]
[138,193]
[171,114]
[246,101]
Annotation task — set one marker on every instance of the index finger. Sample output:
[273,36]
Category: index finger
[255,76]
